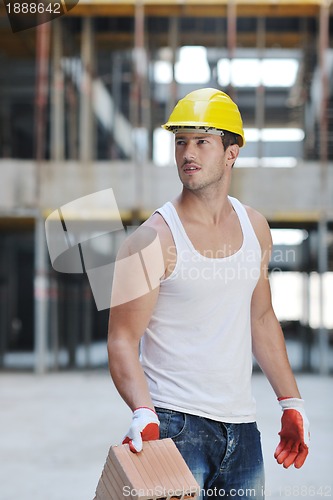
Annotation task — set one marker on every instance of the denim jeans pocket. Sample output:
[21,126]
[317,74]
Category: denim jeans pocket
[172,423]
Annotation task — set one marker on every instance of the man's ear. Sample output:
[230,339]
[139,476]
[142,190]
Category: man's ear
[232,154]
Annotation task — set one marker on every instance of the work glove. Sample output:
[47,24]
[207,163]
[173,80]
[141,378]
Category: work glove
[294,435]
[144,427]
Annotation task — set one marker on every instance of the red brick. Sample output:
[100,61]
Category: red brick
[158,472]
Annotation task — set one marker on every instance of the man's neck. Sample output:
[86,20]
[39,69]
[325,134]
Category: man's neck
[202,208]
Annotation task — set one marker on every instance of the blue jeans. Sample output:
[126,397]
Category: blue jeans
[225,459]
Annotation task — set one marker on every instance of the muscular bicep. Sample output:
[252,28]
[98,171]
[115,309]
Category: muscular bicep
[261,299]
[137,273]
[129,320]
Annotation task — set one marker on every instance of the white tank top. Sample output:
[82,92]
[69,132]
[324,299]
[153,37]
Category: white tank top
[196,351]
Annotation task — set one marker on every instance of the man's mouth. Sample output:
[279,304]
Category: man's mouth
[189,168]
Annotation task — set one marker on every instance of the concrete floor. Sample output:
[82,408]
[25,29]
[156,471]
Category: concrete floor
[55,432]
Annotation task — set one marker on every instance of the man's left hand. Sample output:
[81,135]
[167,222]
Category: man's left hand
[294,435]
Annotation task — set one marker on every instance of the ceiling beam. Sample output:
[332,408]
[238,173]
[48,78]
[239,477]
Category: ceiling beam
[194,9]
[288,40]
[247,8]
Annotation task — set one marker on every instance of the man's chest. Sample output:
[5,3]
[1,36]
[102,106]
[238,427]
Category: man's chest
[216,241]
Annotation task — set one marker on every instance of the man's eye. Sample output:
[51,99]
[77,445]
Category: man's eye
[202,141]
[180,143]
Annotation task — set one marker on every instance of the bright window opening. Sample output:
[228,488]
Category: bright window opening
[163,147]
[186,71]
[248,72]
[288,236]
[192,66]
[269,161]
[274,134]
[162,72]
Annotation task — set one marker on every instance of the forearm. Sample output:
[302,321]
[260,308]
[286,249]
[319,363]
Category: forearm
[127,373]
[270,352]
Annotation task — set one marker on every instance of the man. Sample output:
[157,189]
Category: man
[209,311]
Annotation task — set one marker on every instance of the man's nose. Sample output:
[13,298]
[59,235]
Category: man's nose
[189,152]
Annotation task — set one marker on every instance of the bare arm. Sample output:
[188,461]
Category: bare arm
[129,318]
[268,342]
[270,351]
[127,324]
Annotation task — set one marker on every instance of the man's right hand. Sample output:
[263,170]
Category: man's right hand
[144,427]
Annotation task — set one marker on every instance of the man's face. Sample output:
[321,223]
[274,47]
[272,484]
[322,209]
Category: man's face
[200,158]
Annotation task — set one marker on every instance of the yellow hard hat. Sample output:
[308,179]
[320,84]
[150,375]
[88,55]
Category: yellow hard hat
[207,109]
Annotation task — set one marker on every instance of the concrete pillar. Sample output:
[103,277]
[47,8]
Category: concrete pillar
[305,320]
[42,93]
[117,62]
[231,37]
[87,324]
[323,47]
[72,113]
[260,90]
[140,133]
[5,112]
[57,121]
[173,37]
[54,321]
[41,297]
[323,340]
[86,124]
[3,323]
[41,266]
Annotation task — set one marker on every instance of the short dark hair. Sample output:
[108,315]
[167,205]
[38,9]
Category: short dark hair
[229,138]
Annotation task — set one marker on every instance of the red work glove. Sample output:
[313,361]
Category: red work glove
[294,435]
[144,427]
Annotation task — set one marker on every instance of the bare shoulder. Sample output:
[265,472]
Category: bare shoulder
[154,234]
[260,226]
[153,228]
[166,241]
[158,224]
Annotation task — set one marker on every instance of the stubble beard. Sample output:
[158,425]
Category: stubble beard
[204,185]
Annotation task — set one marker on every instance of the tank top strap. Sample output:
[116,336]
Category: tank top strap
[169,214]
[249,234]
